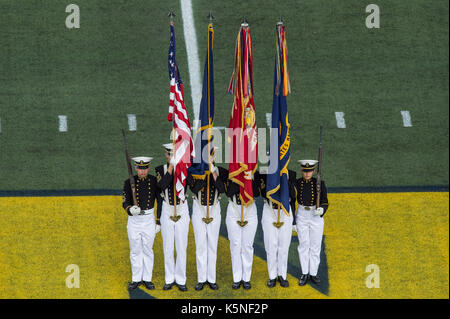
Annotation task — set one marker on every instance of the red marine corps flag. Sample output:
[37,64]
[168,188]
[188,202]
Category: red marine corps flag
[183,146]
[242,127]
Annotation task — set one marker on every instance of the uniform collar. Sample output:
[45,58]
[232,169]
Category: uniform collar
[142,178]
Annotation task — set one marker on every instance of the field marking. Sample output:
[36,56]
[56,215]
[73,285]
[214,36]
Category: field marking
[62,123]
[132,124]
[340,121]
[269,119]
[406,118]
[214,127]
[190,39]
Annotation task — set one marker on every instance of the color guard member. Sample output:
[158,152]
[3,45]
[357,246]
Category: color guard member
[206,228]
[174,224]
[241,227]
[309,220]
[142,225]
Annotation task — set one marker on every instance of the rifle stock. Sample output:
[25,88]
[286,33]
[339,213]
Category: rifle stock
[130,171]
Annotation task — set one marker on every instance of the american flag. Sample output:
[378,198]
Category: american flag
[178,115]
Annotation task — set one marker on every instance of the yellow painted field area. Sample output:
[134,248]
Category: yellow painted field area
[405,234]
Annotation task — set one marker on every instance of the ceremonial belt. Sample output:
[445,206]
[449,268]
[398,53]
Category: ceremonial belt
[272,204]
[196,197]
[235,207]
[234,198]
[166,194]
[274,214]
[307,207]
[146,212]
[216,194]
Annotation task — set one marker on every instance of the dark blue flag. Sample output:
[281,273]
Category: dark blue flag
[277,176]
[203,147]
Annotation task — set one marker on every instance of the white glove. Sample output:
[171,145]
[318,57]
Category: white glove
[294,228]
[212,168]
[157,229]
[172,161]
[318,211]
[135,210]
[248,175]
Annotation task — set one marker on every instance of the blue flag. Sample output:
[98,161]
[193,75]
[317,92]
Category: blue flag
[277,180]
[203,147]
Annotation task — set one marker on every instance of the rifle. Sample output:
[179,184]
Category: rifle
[130,171]
[319,170]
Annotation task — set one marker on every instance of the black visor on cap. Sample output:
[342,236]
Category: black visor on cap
[142,165]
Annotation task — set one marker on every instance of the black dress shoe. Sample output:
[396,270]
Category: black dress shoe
[271,283]
[168,286]
[149,285]
[199,285]
[182,287]
[316,280]
[213,286]
[133,285]
[236,285]
[247,285]
[283,282]
[303,280]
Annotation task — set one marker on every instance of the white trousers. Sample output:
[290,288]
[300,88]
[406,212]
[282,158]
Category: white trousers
[206,239]
[310,231]
[175,236]
[276,240]
[141,234]
[241,240]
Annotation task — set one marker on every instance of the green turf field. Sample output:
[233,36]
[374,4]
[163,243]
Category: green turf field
[116,64]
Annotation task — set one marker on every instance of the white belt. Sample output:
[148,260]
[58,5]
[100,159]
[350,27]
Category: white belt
[306,207]
[147,212]
[274,214]
[165,194]
[202,207]
[235,208]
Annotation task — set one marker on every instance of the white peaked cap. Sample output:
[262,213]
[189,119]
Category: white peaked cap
[307,163]
[168,146]
[142,160]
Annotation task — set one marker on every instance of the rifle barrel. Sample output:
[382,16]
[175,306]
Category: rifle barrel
[319,171]
[130,170]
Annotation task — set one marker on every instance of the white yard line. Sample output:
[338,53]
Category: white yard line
[190,38]
[214,128]
[406,118]
[340,121]
[132,124]
[62,123]
[269,119]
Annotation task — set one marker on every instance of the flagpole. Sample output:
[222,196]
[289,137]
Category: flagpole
[279,24]
[209,130]
[242,212]
[278,220]
[243,25]
[171,15]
